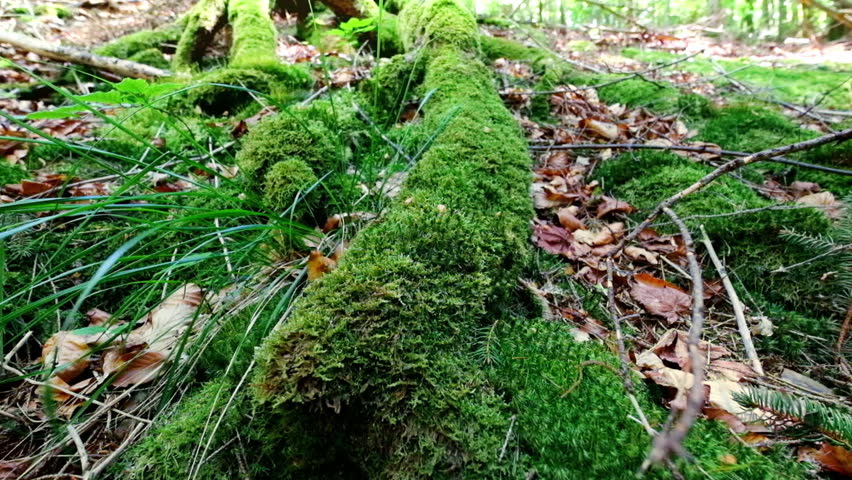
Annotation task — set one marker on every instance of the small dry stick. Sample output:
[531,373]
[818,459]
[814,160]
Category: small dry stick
[622,352]
[745,333]
[671,439]
[727,168]
[508,436]
[81,448]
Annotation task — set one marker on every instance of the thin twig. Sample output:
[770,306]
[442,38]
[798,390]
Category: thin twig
[622,352]
[508,436]
[81,449]
[689,148]
[670,441]
[727,168]
[745,333]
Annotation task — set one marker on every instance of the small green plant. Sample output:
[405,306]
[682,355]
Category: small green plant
[351,29]
[835,422]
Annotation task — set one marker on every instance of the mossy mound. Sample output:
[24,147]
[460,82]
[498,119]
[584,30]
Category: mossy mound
[401,304]
[286,136]
[285,181]
[194,420]
[664,99]
[562,431]
[751,128]
[135,43]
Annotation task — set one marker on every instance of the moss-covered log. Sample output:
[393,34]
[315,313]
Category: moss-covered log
[200,24]
[379,356]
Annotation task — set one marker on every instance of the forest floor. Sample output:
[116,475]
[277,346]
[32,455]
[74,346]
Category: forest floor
[777,322]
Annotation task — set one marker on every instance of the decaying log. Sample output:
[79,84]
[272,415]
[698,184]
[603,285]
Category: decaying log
[124,68]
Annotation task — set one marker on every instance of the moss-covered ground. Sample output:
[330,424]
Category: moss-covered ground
[787,81]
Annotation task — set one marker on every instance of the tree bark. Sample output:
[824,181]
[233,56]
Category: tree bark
[124,68]
[843,18]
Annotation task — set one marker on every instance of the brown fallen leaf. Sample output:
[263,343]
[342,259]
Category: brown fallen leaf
[603,236]
[660,297]
[825,200]
[568,218]
[605,130]
[830,457]
[609,205]
[134,366]
[319,265]
[67,354]
[638,253]
[553,239]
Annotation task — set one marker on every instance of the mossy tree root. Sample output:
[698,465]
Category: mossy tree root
[379,355]
[200,24]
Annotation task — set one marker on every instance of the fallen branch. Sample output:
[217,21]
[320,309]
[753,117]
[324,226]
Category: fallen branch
[745,333]
[125,68]
[622,352]
[727,168]
[687,148]
[671,439]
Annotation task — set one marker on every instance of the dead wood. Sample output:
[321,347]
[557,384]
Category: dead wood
[124,68]
[670,440]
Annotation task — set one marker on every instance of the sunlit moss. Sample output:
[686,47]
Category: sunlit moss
[791,82]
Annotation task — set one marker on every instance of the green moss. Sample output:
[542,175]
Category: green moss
[796,83]
[393,84]
[172,447]
[751,128]
[500,47]
[286,136]
[151,56]
[276,80]
[203,18]
[284,181]
[409,292]
[11,173]
[562,433]
[749,243]
[438,23]
[129,45]
[254,38]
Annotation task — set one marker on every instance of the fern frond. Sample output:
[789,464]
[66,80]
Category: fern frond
[835,422]
[817,243]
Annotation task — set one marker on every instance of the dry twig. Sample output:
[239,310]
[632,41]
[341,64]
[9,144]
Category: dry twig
[737,306]
[670,441]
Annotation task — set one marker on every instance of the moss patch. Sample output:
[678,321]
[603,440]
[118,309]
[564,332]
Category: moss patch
[130,45]
[791,82]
